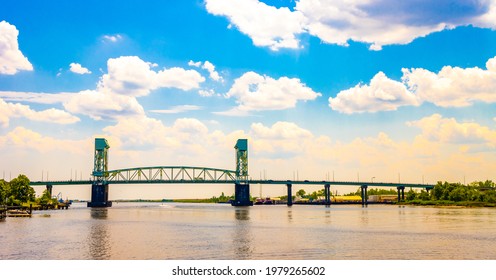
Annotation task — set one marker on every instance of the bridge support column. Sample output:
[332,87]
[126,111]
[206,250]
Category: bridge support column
[364,195]
[401,193]
[242,195]
[327,194]
[290,195]
[427,189]
[99,195]
[49,189]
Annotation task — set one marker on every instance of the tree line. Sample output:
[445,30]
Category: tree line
[18,192]
[480,192]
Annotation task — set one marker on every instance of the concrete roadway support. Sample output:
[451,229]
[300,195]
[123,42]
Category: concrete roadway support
[99,195]
[401,191]
[364,195]
[427,189]
[290,195]
[327,194]
[242,195]
[49,189]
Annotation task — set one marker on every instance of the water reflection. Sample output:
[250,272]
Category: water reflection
[99,236]
[327,216]
[99,213]
[290,215]
[242,237]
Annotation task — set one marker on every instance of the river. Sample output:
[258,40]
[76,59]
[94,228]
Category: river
[179,231]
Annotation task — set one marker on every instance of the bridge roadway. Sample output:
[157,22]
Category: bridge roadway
[264,182]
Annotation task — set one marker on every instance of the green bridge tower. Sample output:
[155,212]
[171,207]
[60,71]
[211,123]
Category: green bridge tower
[99,187]
[242,187]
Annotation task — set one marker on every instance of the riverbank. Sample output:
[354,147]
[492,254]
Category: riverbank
[447,203]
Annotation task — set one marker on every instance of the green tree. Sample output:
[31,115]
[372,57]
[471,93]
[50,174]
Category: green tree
[21,190]
[301,193]
[46,199]
[423,195]
[411,195]
[4,191]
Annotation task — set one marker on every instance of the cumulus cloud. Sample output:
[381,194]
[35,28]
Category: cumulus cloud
[450,87]
[116,93]
[449,130]
[78,69]
[24,138]
[130,75]
[254,92]
[383,94]
[17,110]
[377,23]
[11,58]
[106,106]
[207,65]
[454,86]
[266,25]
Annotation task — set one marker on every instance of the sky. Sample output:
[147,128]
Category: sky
[345,89]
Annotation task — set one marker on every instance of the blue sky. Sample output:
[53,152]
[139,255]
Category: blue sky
[375,88]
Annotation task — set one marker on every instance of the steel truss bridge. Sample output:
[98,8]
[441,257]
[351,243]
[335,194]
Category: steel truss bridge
[204,175]
[102,177]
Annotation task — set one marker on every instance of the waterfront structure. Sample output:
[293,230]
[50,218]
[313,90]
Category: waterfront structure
[102,178]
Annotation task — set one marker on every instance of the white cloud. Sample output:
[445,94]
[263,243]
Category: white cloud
[267,26]
[454,86]
[116,92]
[214,75]
[23,138]
[11,58]
[383,94]
[254,92]
[112,38]
[103,106]
[195,64]
[451,87]
[16,110]
[207,65]
[131,76]
[378,23]
[449,130]
[178,109]
[78,69]
[206,92]
[36,97]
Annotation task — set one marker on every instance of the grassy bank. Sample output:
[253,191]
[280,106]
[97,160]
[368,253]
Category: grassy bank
[447,203]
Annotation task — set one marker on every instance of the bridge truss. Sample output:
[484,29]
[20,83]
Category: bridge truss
[170,174]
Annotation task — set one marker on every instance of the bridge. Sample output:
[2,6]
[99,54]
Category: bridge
[102,178]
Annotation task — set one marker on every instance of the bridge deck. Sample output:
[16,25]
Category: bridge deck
[264,182]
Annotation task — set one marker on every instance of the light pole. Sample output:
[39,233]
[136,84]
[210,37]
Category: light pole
[372,179]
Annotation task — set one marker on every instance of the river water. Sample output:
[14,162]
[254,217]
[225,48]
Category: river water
[181,231]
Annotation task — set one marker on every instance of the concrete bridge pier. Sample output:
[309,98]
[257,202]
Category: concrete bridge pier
[49,189]
[427,189]
[364,195]
[99,195]
[290,194]
[401,191]
[242,195]
[327,194]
